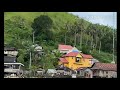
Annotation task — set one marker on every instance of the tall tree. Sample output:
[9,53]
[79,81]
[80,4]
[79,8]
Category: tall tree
[42,26]
[91,32]
[75,30]
[67,28]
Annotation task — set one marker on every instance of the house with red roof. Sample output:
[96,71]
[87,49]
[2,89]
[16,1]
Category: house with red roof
[64,48]
[75,60]
[101,70]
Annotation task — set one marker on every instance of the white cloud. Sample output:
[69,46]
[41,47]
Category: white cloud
[105,18]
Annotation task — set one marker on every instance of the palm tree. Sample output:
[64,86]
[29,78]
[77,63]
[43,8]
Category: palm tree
[101,34]
[87,33]
[75,38]
[95,37]
[75,28]
[97,34]
[68,29]
[81,29]
[90,29]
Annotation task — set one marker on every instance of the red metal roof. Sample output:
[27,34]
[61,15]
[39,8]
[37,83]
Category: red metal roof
[86,56]
[72,54]
[76,53]
[64,47]
[63,60]
[105,66]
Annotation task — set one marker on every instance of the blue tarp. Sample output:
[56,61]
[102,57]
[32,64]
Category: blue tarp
[75,51]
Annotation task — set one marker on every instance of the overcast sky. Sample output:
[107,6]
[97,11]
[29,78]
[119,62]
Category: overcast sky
[104,18]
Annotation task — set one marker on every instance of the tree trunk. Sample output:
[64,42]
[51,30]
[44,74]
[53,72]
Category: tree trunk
[81,40]
[65,38]
[78,39]
[91,44]
[100,47]
[75,39]
[96,43]
[86,41]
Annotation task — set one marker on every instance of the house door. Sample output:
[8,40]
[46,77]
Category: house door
[89,75]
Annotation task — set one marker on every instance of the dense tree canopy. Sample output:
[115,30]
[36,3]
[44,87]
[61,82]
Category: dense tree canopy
[41,26]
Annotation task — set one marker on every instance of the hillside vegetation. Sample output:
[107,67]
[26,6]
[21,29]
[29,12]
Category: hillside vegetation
[53,28]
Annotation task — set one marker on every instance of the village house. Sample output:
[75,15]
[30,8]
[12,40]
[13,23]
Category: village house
[10,51]
[80,72]
[11,66]
[51,72]
[67,49]
[13,69]
[38,50]
[64,48]
[75,60]
[64,70]
[101,70]
[10,55]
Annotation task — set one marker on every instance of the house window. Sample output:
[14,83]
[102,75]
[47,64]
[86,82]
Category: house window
[106,72]
[77,59]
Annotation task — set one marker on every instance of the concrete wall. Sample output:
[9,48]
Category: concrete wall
[106,74]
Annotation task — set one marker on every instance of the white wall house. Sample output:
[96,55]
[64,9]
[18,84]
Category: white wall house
[14,53]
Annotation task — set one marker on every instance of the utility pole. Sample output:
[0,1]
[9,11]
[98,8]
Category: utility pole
[113,46]
[113,40]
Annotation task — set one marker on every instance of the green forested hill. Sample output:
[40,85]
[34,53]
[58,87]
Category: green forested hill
[65,28]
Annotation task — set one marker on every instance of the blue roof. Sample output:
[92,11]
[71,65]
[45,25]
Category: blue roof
[75,51]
